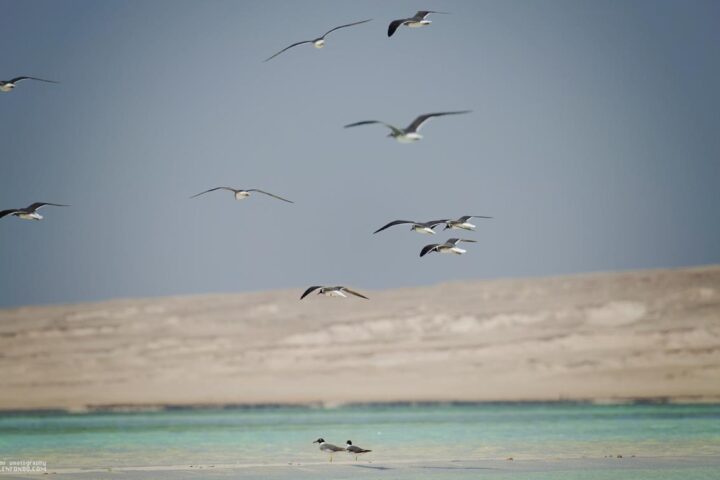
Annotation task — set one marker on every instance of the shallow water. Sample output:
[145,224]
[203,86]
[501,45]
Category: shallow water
[398,435]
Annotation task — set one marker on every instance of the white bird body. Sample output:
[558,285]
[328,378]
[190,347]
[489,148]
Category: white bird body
[328,448]
[338,291]
[422,229]
[242,193]
[426,228]
[30,216]
[355,450]
[448,247]
[462,223]
[416,21]
[333,293]
[9,85]
[30,212]
[410,133]
[462,226]
[408,137]
[317,42]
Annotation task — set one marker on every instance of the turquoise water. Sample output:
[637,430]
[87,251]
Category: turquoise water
[399,434]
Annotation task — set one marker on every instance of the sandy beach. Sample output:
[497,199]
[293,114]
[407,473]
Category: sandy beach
[610,468]
[602,337]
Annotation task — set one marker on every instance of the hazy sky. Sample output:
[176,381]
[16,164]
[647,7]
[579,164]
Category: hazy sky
[593,142]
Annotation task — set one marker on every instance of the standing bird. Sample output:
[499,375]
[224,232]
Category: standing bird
[338,291]
[462,223]
[8,85]
[354,450]
[242,193]
[328,447]
[318,42]
[416,21]
[448,247]
[29,212]
[408,134]
[420,227]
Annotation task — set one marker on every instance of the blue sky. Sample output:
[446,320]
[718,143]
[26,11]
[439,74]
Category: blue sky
[593,142]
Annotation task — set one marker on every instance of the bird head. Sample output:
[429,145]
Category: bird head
[348,442]
[319,440]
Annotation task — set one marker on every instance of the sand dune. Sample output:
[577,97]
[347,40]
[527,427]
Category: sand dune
[648,334]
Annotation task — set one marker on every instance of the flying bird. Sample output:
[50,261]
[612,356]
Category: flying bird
[355,450]
[410,133]
[420,227]
[462,223]
[29,212]
[8,85]
[328,447]
[242,193]
[448,247]
[318,42]
[338,291]
[417,20]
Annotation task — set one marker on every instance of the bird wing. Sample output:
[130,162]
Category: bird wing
[455,241]
[395,130]
[434,223]
[355,449]
[421,14]
[38,205]
[347,25]
[418,122]
[392,224]
[353,292]
[5,213]
[394,26]
[269,194]
[287,48]
[465,218]
[428,248]
[213,189]
[309,291]
[19,79]
[334,448]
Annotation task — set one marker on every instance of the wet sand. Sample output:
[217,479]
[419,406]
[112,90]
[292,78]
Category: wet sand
[585,468]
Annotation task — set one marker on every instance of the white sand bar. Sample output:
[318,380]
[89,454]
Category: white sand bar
[606,337]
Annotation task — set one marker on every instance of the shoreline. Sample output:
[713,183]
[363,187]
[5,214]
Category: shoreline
[151,408]
[458,468]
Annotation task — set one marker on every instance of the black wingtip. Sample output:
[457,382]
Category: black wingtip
[392,28]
